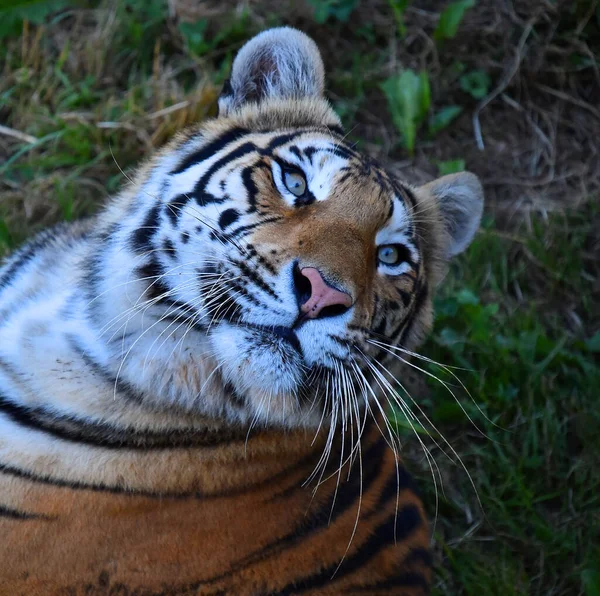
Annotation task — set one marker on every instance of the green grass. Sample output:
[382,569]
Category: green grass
[534,465]
[92,88]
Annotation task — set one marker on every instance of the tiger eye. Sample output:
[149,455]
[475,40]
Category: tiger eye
[295,183]
[389,255]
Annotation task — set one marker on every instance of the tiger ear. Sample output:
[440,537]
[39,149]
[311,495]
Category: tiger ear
[281,63]
[460,200]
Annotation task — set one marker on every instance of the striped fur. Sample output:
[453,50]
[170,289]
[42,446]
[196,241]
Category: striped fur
[170,421]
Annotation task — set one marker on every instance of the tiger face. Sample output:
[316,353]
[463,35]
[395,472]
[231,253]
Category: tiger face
[299,260]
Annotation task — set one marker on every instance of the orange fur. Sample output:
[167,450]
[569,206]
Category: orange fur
[236,537]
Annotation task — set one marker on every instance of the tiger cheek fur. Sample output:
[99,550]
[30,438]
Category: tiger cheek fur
[179,373]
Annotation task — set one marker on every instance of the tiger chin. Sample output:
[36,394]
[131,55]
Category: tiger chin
[193,382]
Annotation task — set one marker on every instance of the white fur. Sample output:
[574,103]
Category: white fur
[281,63]
[460,199]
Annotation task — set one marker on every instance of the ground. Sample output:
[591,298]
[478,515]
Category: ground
[89,88]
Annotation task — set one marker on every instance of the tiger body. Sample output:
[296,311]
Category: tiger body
[190,381]
[269,537]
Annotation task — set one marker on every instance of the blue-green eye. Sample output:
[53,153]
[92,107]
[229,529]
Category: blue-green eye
[295,182]
[391,254]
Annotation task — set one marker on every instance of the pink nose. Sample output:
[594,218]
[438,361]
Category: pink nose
[322,295]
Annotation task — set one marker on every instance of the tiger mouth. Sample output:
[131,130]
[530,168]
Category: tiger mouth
[268,333]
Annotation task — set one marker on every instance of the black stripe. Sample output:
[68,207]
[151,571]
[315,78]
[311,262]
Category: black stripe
[342,151]
[392,305]
[417,305]
[59,482]
[38,243]
[408,579]
[405,579]
[252,253]
[152,273]
[169,248]
[250,186]
[174,207]
[200,194]
[282,140]
[327,514]
[177,304]
[391,209]
[20,515]
[243,291]
[380,328]
[404,327]
[294,150]
[345,177]
[419,555]
[222,303]
[123,388]
[406,296]
[255,277]
[235,134]
[405,192]
[94,270]
[393,487]
[182,319]
[309,152]
[242,230]
[116,489]
[210,149]
[228,217]
[234,396]
[22,259]
[407,521]
[106,436]
[140,240]
[336,129]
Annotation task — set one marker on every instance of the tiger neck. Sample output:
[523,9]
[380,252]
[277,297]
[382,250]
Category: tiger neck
[210,460]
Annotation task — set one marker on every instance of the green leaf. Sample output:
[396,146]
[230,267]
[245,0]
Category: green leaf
[424,95]
[593,344]
[476,83]
[401,423]
[449,337]
[32,10]
[199,39]
[451,166]
[451,19]
[445,307]
[5,235]
[590,578]
[443,118]
[398,8]
[336,9]
[193,35]
[409,98]
[465,296]
[14,12]
[449,412]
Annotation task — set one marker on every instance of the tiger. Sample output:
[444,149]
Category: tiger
[194,382]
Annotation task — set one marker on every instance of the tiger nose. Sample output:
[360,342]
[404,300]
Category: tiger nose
[323,299]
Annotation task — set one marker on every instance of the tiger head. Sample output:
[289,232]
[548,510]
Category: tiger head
[300,262]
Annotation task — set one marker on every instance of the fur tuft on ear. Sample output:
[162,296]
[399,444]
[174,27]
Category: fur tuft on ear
[281,63]
[460,200]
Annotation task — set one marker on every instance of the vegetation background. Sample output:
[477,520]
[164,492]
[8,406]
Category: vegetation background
[509,89]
